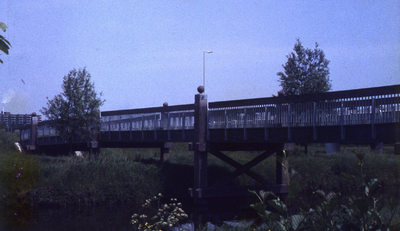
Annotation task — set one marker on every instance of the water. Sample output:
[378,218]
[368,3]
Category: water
[105,218]
[60,219]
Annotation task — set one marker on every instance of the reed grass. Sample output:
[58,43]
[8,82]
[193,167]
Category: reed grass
[112,179]
[131,175]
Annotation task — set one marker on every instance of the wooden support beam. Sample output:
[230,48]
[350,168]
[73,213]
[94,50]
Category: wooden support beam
[281,166]
[200,149]
[240,169]
[239,191]
[164,151]
[33,135]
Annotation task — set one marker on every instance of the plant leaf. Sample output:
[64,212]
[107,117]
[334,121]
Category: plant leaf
[3,26]
[3,46]
[297,221]
[259,207]
[372,186]
[278,205]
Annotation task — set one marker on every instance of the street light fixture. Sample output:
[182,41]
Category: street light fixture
[204,68]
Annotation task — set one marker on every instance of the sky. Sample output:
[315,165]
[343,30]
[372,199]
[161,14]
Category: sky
[142,53]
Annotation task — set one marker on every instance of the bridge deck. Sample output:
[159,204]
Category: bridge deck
[355,116]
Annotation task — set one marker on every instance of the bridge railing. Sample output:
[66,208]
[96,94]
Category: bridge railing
[46,129]
[45,133]
[157,118]
[361,106]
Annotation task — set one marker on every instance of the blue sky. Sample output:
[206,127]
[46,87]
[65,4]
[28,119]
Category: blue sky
[142,53]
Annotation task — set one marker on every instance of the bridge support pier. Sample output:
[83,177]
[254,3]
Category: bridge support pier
[164,151]
[94,149]
[282,167]
[397,148]
[200,146]
[201,191]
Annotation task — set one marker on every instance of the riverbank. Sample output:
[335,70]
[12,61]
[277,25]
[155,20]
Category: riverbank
[127,177]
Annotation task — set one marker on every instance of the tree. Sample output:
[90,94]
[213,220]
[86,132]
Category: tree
[4,43]
[306,71]
[77,109]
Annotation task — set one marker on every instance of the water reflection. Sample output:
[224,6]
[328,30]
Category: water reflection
[60,219]
[104,218]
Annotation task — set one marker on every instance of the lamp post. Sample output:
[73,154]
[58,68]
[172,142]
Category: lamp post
[204,68]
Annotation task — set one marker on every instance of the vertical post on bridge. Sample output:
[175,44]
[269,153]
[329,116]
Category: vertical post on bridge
[200,145]
[164,151]
[94,148]
[34,125]
[282,167]
[164,125]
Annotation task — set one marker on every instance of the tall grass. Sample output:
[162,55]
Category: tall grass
[341,173]
[112,179]
[129,176]
[18,173]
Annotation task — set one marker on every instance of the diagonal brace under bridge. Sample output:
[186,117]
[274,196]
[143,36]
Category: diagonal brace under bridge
[240,169]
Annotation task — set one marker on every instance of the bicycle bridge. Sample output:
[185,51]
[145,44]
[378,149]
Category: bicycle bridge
[360,116]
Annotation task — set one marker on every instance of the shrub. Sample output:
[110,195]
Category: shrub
[159,216]
[365,209]
[19,174]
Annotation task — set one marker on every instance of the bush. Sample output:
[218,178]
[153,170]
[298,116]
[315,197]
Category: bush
[159,216]
[365,208]
[19,175]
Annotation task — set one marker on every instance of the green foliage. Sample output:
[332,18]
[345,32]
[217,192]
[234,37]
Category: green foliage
[4,43]
[282,218]
[365,208]
[306,71]
[19,175]
[110,180]
[159,216]
[77,109]
[7,141]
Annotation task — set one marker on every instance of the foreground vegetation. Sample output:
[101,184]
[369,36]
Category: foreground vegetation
[131,176]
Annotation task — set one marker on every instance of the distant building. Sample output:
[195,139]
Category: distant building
[12,122]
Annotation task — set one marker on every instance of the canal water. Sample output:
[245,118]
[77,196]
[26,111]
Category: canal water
[99,218]
[60,219]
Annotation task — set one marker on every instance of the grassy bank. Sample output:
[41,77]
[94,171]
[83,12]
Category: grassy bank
[129,176]
[114,178]
[110,180]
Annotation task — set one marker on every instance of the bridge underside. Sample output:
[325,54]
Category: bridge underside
[223,187]
[270,140]
[254,138]
[347,134]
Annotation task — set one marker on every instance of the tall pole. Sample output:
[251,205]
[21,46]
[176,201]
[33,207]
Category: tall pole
[200,146]
[204,68]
